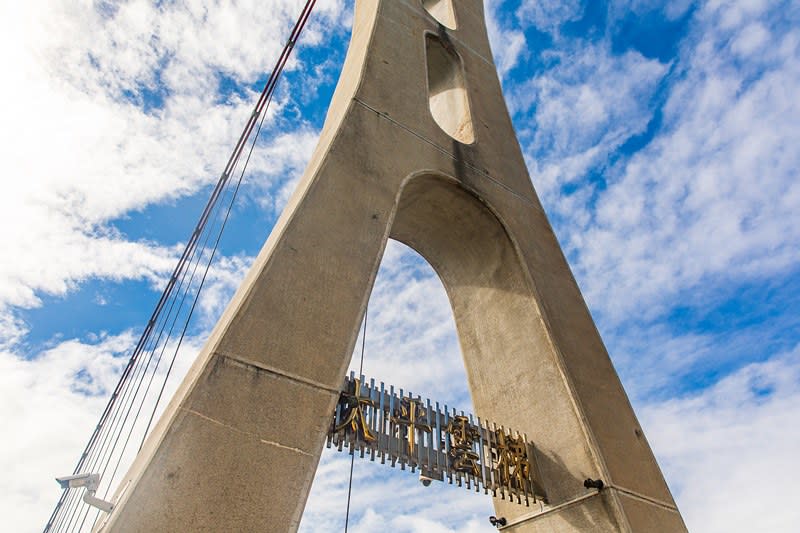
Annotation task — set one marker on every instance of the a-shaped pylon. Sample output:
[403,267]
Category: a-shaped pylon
[417,146]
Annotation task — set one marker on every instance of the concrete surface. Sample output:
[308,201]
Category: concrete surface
[417,146]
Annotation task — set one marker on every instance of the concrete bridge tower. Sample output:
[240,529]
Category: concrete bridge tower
[417,146]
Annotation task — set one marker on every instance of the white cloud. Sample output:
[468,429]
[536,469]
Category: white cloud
[52,403]
[716,196]
[750,40]
[186,45]
[83,148]
[508,45]
[224,277]
[389,499]
[654,359]
[671,9]
[50,407]
[729,451]
[286,155]
[549,15]
[583,109]
[411,333]
[12,330]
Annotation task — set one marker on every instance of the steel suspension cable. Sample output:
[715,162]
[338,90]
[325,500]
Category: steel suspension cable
[116,427]
[268,93]
[131,427]
[105,461]
[205,274]
[124,386]
[120,456]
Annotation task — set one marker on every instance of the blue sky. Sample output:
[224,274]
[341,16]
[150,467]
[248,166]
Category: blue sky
[661,138]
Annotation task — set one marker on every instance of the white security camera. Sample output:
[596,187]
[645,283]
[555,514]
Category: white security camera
[90,481]
[426,476]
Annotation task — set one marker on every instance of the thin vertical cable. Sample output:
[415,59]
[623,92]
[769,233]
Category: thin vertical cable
[353,454]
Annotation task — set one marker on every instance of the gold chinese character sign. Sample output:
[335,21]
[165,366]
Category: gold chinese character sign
[462,449]
[441,443]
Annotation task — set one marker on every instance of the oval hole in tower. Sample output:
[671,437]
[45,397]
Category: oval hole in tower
[442,11]
[447,92]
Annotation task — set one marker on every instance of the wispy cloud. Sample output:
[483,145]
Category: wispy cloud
[726,450]
[138,117]
[508,43]
[411,331]
[549,15]
[579,112]
[52,404]
[716,194]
